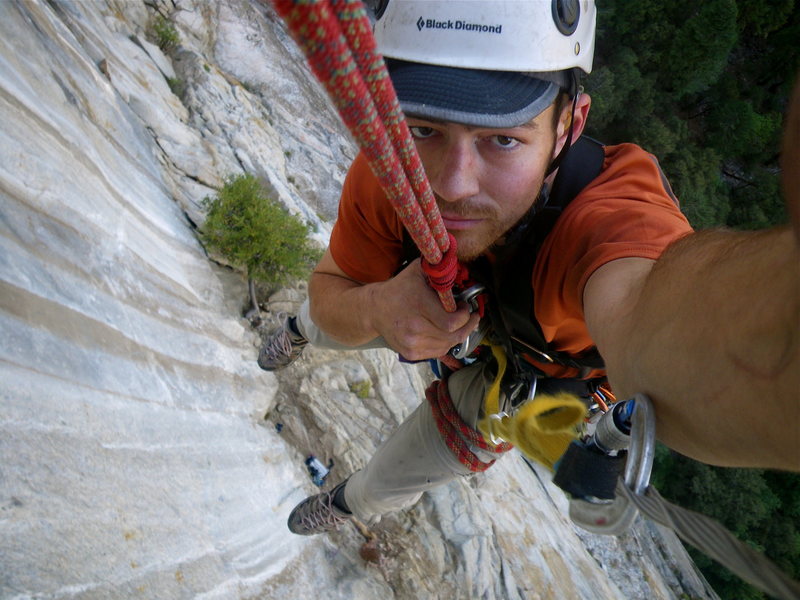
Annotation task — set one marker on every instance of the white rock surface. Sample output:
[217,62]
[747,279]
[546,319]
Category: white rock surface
[135,457]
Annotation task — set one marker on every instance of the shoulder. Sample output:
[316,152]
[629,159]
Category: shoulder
[630,200]
[360,183]
[366,241]
[362,195]
[630,172]
[627,211]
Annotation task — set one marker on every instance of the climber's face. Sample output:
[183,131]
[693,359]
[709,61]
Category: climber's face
[484,179]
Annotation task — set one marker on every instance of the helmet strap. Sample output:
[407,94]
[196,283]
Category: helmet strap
[576,90]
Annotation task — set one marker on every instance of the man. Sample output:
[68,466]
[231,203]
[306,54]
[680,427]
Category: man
[691,320]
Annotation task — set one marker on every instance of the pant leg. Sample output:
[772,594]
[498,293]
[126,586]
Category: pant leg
[415,458]
[316,337]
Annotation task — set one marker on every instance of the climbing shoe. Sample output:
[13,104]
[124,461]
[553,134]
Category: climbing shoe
[282,347]
[318,514]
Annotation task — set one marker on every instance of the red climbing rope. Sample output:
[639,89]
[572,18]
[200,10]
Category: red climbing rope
[342,54]
[358,32]
[442,276]
[457,434]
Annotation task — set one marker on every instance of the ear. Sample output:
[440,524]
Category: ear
[790,159]
[582,107]
[577,118]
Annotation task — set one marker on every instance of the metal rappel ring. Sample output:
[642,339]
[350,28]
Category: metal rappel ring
[616,517]
[642,449]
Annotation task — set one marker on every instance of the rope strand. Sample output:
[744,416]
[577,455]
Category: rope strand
[317,31]
[358,32]
[457,435]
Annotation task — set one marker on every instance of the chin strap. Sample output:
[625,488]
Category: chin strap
[575,90]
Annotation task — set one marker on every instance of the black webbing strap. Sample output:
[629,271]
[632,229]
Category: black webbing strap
[584,472]
[509,279]
[513,270]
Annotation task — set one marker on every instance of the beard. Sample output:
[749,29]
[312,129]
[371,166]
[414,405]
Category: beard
[499,217]
[472,243]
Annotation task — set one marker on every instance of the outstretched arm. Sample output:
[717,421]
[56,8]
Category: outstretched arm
[404,310]
[711,332]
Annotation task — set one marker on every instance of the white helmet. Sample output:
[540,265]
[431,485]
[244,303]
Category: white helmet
[492,63]
[497,35]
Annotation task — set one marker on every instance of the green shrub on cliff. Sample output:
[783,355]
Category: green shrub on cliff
[164,33]
[252,231]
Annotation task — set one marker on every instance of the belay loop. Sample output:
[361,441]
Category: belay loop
[336,37]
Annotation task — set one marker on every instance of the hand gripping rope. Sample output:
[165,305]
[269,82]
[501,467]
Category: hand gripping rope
[336,37]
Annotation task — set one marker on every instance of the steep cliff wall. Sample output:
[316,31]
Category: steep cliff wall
[135,457]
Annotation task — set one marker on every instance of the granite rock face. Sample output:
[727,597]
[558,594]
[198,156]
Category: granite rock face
[143,454]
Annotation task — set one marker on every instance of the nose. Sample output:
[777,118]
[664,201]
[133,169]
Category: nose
[456,175]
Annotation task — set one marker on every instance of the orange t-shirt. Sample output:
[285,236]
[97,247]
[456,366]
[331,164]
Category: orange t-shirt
[627,211]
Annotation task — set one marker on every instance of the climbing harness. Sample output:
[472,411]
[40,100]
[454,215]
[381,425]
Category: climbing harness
[541,427]
[508,279]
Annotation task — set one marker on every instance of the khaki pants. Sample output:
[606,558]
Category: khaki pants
[414,458]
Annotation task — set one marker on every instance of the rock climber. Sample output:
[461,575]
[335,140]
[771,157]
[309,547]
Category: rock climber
[618,286]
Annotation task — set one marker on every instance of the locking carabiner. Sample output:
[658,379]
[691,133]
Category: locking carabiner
[614,517]
[470,297]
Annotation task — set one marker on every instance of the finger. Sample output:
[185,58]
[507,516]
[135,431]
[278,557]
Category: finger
[471,325]
[456,321]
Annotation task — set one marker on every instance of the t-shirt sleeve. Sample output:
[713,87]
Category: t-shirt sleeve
[628,211]
[367,238]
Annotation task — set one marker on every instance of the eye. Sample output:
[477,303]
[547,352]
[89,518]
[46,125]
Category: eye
[505,141]
[421,132]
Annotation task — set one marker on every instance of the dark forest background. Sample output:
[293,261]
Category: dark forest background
[704,86]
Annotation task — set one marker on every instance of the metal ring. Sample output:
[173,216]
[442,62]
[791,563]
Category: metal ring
[642,449]
[615,518]
[496,417]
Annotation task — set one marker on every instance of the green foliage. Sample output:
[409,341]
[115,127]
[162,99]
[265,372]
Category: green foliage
[696,180]
[254,232]
[164,33]
[176,86]
[760,507]
[759,18]
[361,389]
[704,86]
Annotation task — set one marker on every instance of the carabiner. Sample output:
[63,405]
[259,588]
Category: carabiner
[614,517]
[470,297]
[496,440]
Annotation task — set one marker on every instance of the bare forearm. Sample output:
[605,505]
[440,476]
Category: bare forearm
[341,308]
[714,339]
[403,310]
